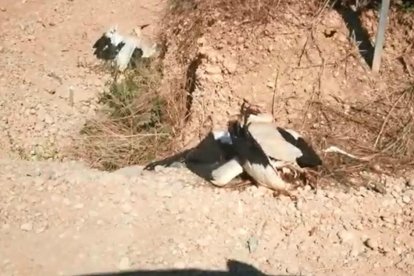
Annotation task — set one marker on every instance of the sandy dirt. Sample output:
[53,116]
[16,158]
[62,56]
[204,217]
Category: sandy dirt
[63,218]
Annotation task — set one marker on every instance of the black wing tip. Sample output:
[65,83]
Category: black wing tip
[309,159]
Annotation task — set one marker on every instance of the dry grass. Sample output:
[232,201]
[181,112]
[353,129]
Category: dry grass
[379,133]
[136,124]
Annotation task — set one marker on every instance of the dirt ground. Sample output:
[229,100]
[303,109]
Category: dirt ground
[63,218]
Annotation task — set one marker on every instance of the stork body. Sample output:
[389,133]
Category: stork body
[253,158]
[264,149]
[123,51]
[149,47]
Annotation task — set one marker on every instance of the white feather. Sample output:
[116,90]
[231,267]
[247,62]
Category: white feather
[222,136]
[266,176]
[293,133]
[148,47]
[226,172]
[124,56]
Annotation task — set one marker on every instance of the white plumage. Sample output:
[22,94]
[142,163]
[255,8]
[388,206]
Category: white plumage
[255,146]
[123,50]
[265,149]
[225,173]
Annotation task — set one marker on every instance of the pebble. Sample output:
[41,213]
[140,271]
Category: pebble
[346,236]
[406,199]
[230,65]
[27,227]
[252,244]
[410,181]
[212,69]
[124,263]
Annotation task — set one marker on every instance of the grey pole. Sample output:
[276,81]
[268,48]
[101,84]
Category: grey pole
[379,41]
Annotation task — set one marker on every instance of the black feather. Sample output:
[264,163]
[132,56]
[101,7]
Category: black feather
[207,156]
[208,151]
[105,50]
[136,57]
[248,150]
[309,157]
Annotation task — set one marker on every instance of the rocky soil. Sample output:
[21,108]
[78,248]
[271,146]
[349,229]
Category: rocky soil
[49,79]
[63,218]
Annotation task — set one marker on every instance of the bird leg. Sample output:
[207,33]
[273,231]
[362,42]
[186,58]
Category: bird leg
[310,177]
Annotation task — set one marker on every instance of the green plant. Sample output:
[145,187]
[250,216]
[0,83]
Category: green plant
[134,126]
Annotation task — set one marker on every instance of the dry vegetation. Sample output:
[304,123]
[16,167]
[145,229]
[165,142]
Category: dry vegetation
[378,134]
[135,124]
[144,115]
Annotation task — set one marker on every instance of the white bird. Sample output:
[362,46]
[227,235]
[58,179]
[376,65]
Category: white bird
[122,50]
[263,149]
[149,48]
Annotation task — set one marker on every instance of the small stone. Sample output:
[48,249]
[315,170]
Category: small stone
[41,229]
[252,244]
[48,119]
[270,48]
[124,264]
[345,236]
[406,199]
[201,41]
[230,65]
[270,84]
[27,227]
[212,69]
[410,181]
[372,244]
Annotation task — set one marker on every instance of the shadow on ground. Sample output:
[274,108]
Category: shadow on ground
[357,31]
[201,160]
[234,268]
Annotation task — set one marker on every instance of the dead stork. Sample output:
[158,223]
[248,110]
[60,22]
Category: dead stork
[123,51]
[266,151]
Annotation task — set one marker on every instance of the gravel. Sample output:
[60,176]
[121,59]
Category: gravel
[184,222]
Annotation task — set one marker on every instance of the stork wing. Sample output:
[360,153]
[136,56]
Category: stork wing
[273,143]
[309,157]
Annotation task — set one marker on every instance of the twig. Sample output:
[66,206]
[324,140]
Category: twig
[315,22]
[387,118]
[406,66]
[307,108]
[303,51]
[335,149]
[274,93]
[318,14]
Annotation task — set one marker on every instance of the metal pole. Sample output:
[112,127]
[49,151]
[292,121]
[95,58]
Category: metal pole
[379,41]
